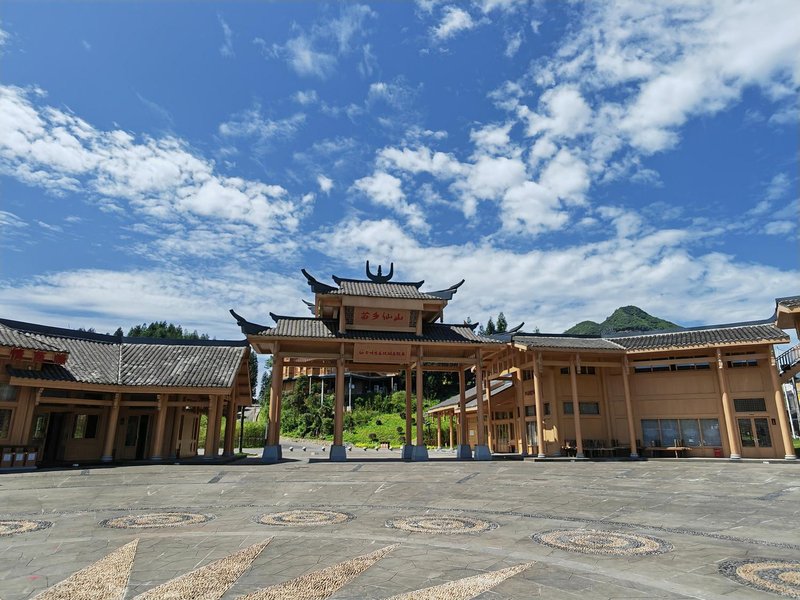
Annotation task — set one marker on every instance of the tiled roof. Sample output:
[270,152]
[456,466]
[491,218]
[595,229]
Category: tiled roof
[736,333]
[789,301]
[382,290]
[111,360]
[302,327]
[561,342]
[19,339]
[497,386]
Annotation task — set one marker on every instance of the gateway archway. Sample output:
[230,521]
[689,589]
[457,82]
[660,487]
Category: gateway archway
[373,325]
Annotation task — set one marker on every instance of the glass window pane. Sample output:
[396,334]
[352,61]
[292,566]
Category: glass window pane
[650,432]
[530,411]
[80,427]
[750,405]
[5,422]
[590,408]
[568,408]
[7,392]
[669,432]
[762,433]
[746,433]
[690,432]
[710,428]
[532,433]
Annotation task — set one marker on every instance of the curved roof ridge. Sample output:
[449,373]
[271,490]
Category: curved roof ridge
[673,330]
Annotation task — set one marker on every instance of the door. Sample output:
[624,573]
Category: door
[134,440]
[755,437]
[504,438]
[53,440]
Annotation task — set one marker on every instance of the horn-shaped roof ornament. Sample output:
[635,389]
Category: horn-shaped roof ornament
[380,277]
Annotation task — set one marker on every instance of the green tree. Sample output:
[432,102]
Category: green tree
[502,324]
[490,327]
[164,330]
[253,371]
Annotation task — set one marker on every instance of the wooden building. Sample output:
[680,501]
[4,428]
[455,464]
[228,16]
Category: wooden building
[710,391]
[70,396]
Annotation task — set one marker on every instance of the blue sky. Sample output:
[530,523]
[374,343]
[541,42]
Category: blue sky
[173,160]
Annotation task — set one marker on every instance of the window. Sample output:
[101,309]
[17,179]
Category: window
[581,371]
[685,432]
[750,405]
[527,374]
[736,364]
[530,411]
[8,393]
[501,415]
[531,433]
[40,427]
[5,422]
[585,408]
[668,365]
[85,427]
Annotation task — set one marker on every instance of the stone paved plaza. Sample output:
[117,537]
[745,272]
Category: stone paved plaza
[381,528]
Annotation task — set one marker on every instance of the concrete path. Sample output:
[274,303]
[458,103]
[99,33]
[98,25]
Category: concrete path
[385,528]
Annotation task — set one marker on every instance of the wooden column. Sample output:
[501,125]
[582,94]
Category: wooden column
[555,412]
[408,406]
[481,437]
[626,386]
[463,433]
[573,379]
[780,406]
[537,391]
[522,425]
[209,450]
[230,427]
[218,423]
[420,422]
[338,407]
[438,431]
[161,425]
[489,419]
[111,430]
[177,412]
[727,409]
[452,416]
[274,431]
[606,403]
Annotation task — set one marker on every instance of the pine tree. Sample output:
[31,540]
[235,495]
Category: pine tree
[502,324]
[490,328]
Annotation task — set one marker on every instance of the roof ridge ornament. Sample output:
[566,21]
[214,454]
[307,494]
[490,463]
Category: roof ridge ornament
[380,277]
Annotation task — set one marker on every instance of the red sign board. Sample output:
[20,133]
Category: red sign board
[382,318]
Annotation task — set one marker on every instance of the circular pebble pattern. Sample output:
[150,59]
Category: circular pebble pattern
[593,541]
[13,527]
[765,574]
[155,520]
[304,518]
[435,524]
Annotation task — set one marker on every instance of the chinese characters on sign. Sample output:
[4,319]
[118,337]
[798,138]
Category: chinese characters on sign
[382,318]
[381,353]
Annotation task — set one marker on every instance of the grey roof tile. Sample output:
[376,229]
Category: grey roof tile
[19,339]
[111,360]
[703,336]
[383,290]
[497,386]
[560,342]
[309,327]
[789,301]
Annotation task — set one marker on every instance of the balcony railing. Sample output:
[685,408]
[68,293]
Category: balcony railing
[788,359]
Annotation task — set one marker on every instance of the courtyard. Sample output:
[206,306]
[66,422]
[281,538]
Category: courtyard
[377,527]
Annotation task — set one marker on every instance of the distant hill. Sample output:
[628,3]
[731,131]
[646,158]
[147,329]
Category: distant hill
[625,318]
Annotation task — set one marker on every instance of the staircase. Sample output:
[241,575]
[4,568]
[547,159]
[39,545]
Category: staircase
[789,364]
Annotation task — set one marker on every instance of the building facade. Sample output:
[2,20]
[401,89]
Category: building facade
[70,396]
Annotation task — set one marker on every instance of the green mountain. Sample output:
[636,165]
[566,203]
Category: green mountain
[625,318]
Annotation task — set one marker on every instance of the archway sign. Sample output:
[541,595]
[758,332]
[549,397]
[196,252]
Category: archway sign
[373,325]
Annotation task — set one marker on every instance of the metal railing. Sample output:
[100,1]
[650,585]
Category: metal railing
[788,359]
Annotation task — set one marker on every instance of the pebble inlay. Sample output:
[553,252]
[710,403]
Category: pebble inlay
[304,518]
[768,575]
[13,527]
[593,541]
[156,520]
[464,589]
[446,524]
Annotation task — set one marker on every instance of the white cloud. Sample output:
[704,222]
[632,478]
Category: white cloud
[513,44]
[420,160]
[454,20]
[306,97]
[778,187]
[161,179]
[226,49]
[306,61]
[556,288]
[86,45]
[386,190]
[251,123]
[325,184]
[492,139]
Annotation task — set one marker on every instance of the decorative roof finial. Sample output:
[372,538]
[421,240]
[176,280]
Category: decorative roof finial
[380,277]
